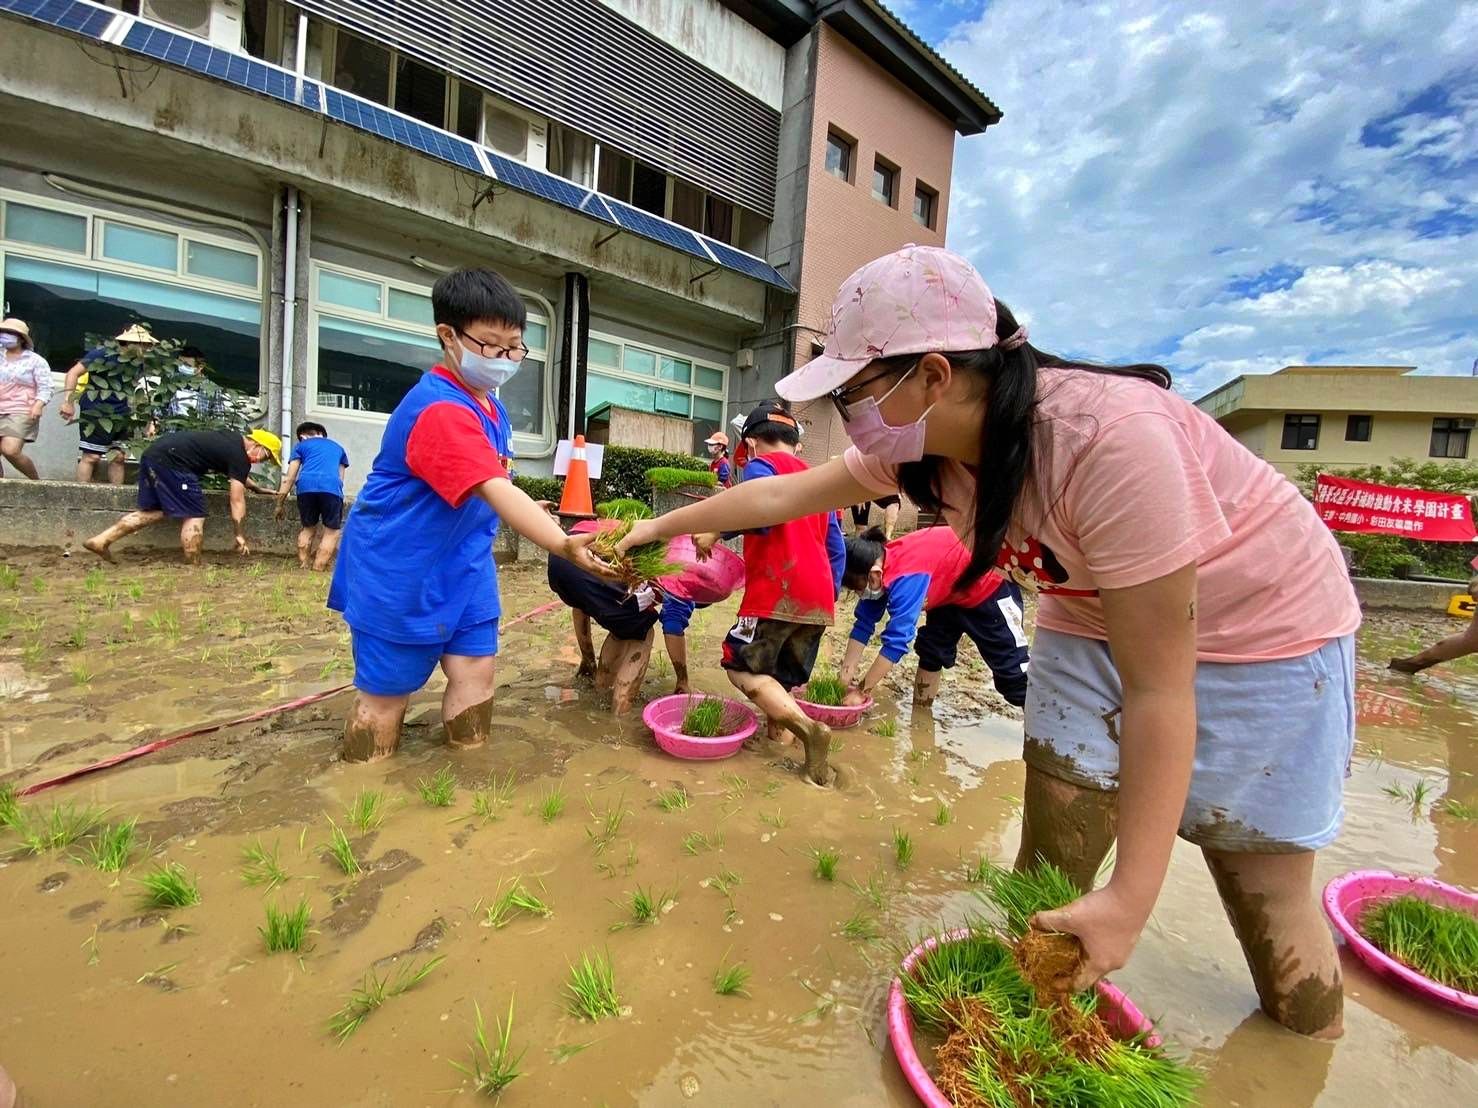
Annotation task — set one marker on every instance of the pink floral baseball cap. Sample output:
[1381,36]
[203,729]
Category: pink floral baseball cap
[915,300]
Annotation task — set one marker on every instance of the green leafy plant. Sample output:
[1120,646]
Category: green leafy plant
[826,863]
[669,479]
[775,819]
[439,789]
[1438,942]
[637,565]
[374,990]
[366,811]
[488,802]
[286,929]
[646,905]
[551,804]
[943,816]
[826,689]
[1412,796]
[169,885]
[705,719]
[608,825]
[861,928]
[10,578]
[696,842]
[902,848]
[511,899]
[591,989]
[734,786]
[10,809]
[341,851]
[874,890]
[494,1065]
[261,866]
[62,826]
[540,488]
[885,728]
[624,471]
[725,880]
[1015,896]
[674,800]
[729,979]
[111,849]
[1450,807]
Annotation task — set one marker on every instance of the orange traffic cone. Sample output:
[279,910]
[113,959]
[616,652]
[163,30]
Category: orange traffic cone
[575,503]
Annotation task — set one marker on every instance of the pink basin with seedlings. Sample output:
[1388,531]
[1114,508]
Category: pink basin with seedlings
[1117,1011]
[833,715]
[1350,896]
[665,717]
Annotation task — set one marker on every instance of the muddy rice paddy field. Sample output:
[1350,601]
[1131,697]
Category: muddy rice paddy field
[105,1002]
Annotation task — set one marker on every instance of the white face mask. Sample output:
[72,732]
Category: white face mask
[482,372]
[9,341]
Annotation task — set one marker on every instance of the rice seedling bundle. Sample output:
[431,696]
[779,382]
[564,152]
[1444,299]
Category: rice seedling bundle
[825,689]
[705,719]
[1438,942]
[637,565]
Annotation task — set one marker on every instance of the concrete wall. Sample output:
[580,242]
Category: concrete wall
[57,515]
[714,37]
[1377,592]
[1392,435]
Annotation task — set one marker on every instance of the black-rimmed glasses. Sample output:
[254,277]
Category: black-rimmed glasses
[489,350]
[839,396]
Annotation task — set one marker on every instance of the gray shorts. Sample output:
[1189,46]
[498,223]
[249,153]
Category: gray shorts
[1273,739]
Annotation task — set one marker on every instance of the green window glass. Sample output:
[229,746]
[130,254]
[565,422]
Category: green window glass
[413,307]
[604,353]
[220,264]
[710,379]
[365,368]
[140,246]
[637,360]
[624,394]
[674,403]
[675,369]
[349,292]
[536,336]
[706,408]
[59,230]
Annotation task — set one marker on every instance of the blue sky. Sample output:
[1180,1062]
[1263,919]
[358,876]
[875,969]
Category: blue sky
[1228,188]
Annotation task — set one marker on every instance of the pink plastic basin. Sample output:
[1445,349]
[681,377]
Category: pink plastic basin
[1118,1012]
[833,715]
[1347,898]
[665,717]
[703,581]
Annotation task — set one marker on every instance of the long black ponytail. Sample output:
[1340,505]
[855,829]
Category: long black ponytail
[1008,436]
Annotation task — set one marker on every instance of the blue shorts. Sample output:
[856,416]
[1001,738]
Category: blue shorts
[321,507]
[385,668]
[1273,739]
[175,492]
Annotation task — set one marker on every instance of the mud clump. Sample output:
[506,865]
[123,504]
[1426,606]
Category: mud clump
[1049,961]
[972,1024]
[52,882]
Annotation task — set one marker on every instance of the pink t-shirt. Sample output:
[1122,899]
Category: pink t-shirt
[1131,483]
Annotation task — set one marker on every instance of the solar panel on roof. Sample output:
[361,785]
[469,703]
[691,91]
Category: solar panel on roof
[649,226]
[397,128]
[746,263]
[69,15]
[544,185]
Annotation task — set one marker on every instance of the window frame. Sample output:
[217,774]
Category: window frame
[921,191]
[1457,425]
[894,176]
[1294,421]
[656,380]
[541,311]
[1353,427]
[849,146]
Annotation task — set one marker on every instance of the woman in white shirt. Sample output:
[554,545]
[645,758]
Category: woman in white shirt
[25,387]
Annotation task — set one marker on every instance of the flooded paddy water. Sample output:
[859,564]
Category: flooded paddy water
[105,1002]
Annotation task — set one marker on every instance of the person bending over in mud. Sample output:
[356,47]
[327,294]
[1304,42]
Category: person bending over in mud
[630,620]
[169,485]
[916,574]
[415,578]
[1462,644]
[1175,685]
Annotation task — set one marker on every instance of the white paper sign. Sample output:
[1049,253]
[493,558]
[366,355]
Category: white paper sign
[594,452]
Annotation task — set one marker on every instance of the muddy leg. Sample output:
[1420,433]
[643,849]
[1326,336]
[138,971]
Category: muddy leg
[1270,900]
[926,686]
[115,468]
[780,708]
[372,730]
[192,540]
[611,653]
[584,642]
[631,671]
[677,650]
[1067,825]
[327,547]
[467,704]
[133,521]
[305,546]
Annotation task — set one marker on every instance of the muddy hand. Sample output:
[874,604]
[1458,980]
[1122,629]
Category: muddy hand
[854,697]
[241,546]
[704,544]
[1107,927]
[280,511]
[577,550]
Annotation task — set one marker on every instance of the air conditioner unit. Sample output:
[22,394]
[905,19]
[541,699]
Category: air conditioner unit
[190,16]
[510,132]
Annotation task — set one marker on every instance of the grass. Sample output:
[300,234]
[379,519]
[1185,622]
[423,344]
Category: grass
[860,927]
[1413,796]
[10,578]
[76,639]
[725,880]
[696,842]
[734,786]
[646,906]
[885,728]
[373,991]
[62,826]
[874,891]
[366,811]
[488,802]
[340,850]
[902,848]
[494,1065]
[166,622]
[551,804]
[1017,896]
[439,789]
[511,899]
[775,819]
[674,800]
[609,825]
[943,816]
[170,885]
[1450,807]
[95,579]
[81,674]
[705,719]
[286,929]
[135,589]
[977,871]
[825,689]
[826,863]
[1438,942]
[260,866]
[729,980]
[668,478]
[591,989]
[623,508]
[10,809]
[111,849]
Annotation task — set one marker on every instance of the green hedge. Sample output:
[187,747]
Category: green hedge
[624,472]
[1382,555]
[541,488]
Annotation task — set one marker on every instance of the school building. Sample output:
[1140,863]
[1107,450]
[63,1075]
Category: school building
[1348,415]
[676,187]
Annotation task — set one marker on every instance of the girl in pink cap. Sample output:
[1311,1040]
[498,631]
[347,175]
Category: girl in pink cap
[1180,682]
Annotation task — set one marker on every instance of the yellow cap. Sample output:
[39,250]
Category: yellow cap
[270,441]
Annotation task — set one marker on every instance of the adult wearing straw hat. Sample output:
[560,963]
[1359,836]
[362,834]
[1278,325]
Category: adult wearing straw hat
[105,423]
[25,387]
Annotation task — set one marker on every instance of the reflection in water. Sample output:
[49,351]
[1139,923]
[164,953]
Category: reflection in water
[1240,1073]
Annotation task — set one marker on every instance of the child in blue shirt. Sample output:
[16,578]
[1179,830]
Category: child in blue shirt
[317,469]
[415,577]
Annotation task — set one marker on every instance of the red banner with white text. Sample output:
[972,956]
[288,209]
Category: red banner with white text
[1348,505]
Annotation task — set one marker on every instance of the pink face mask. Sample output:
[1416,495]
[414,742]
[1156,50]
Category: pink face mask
[881,440]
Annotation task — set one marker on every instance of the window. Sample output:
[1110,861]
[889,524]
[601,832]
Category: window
[235,267]
[839,150]
[124,242]
[719,220]
[261,31]
[630,375]
[1450,437]
[44,227]
[1300,432]
[615,174]
[362,67]
[571,155]
[1357,428]
[925,204]
[885,182]
[468,111]
[649,189]
[420,91]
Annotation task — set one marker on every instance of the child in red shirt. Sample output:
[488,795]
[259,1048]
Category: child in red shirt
[789,595]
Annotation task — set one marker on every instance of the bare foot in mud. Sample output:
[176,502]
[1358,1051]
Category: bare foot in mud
[816,737]
[471,727]
[1407,665]
[587,669]
[100,549]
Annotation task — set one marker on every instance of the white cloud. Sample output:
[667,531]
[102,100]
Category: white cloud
[1195,188]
